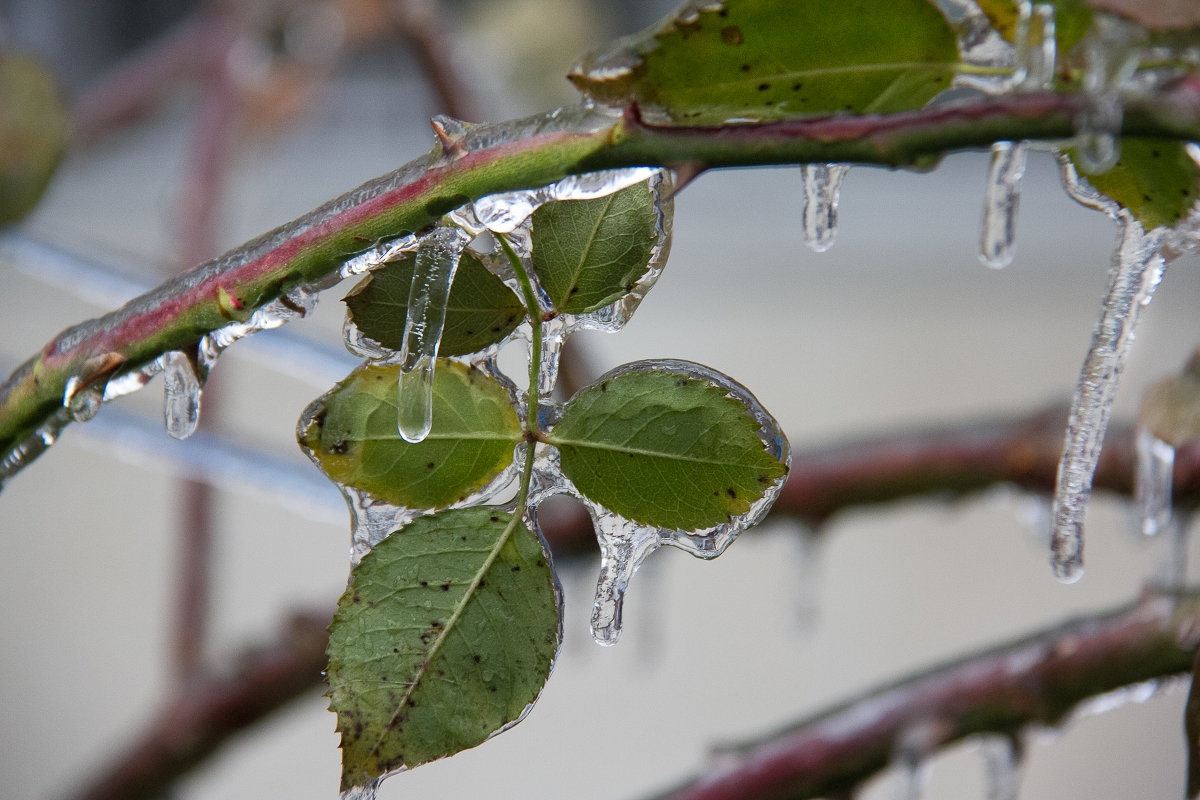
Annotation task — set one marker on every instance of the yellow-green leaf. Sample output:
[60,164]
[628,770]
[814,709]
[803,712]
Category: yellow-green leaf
[352,436]
[1157,181]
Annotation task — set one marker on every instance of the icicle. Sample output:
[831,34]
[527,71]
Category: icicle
[1172,569]
[436,262]
[1002,766]
[1153,480]
[181,396]
[805,579]
[1001,200]
[1137,270]
[1112,50]
[913,775]
[1036,48]
[822,189]
[624,545]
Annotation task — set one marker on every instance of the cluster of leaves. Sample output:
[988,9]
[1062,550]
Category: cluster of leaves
[450,625]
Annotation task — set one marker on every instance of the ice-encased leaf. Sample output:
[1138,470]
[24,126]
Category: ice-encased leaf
[590,253]
[34,130]
[664,448]
[482,310]
[1156,180]
[769,59]
[444,637]
[351,435]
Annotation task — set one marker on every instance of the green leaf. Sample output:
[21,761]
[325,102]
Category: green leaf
[1156,180]
[352,436]
[482,310]
[663,448]
[590,253]
[33,133]
[770,59]
[445,635]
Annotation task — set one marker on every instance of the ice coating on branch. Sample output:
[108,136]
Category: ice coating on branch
[1031,56]
[1137,269]
[181,395]
[1036,48]
[1111,50]
[822,189]
[1153,480]
[503,212]
[1001,200]
[437,259]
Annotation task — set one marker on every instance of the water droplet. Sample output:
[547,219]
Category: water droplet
[81,400]
[1153,480]
[1111,51]
[1001,199]
[822,190]
[1137,270]
[181,395]
[434,268]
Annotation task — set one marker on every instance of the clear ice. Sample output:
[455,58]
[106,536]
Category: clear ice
[367,792]
[181,396]
[82,400]
[437,259]
[1111,50]
[822,191]
[1001,199]
[1153,480]
[1137,269]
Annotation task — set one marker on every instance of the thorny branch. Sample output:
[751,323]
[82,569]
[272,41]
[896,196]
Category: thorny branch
[517,155]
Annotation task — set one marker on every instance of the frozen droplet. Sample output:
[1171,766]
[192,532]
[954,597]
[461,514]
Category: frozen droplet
[1154,476]
[1001,200]
[181,395]
[366,792]
[1002,767]
[1170,574]
[822,189]
[624,545]
[1111,52]
[433,271]
[913,776]
[1137,270]
[82,400]
[805,578]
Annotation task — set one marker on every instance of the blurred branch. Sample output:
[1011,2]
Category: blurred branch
[420,24]
[1039,679]
[193,724]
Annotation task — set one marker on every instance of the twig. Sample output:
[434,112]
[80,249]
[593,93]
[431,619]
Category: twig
[1039,679]
[419,23]
[516,155]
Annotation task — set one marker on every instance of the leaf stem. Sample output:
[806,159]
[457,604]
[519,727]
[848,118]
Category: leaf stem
[532,407]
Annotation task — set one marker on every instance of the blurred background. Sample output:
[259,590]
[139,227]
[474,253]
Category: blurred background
[192,136]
